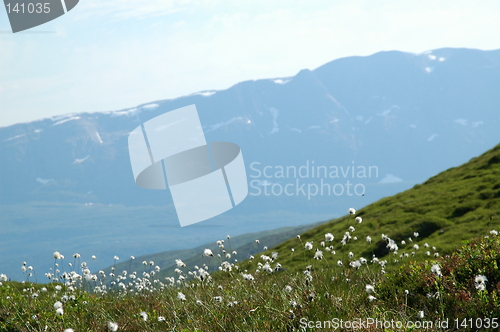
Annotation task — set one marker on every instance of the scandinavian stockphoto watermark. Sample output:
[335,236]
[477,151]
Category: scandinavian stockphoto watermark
[371,323]
[205,179]
[26,14]
[310,179]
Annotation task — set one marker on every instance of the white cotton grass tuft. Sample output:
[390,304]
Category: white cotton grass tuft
[359,220]
[318,254]
[329,237]
[112,326]
[57,255]
[421,314]
[369,289]
[308,246]
[480,282]
[208,253]
[371,298]
[69,330]
[436,270]
[144,315]
[59,311]
[181,296]
[352,211]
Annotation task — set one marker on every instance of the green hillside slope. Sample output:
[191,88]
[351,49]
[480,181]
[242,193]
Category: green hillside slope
[456,205]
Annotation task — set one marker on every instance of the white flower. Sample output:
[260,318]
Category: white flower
[208,252]
[480,282]
[415,234]
[359,220]
[351,255]
[116,258]
[144,315]
[436,270]
[420,314]
[248,277]
[493,232]
[288,288]
[339,263]
[181,296]
[403,242]
[308,246]
[112,326]
[480,279]
[57,255]
[257,241]
[369,289]
[351,229]
[329,237]
[59,311]
[371,298]
[3,277]
[161,318]
[362,260]
[352,211]
[58,305]
[416,247]
[180,263]
[369,239]
[218,298]
[355,264]
[318,254]
[69,330]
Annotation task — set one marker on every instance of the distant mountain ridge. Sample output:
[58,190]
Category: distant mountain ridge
[410,115]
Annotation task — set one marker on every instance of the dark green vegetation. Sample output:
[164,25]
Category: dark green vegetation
[448,272]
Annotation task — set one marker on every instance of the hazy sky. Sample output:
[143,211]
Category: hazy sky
[114,54]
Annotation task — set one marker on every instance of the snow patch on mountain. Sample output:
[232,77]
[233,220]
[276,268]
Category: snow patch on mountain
[14,137]
[280,81]
[389,178]
[79,161]
[66,120]
[150,106]
[274,113]
[99,139]
[206,93]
